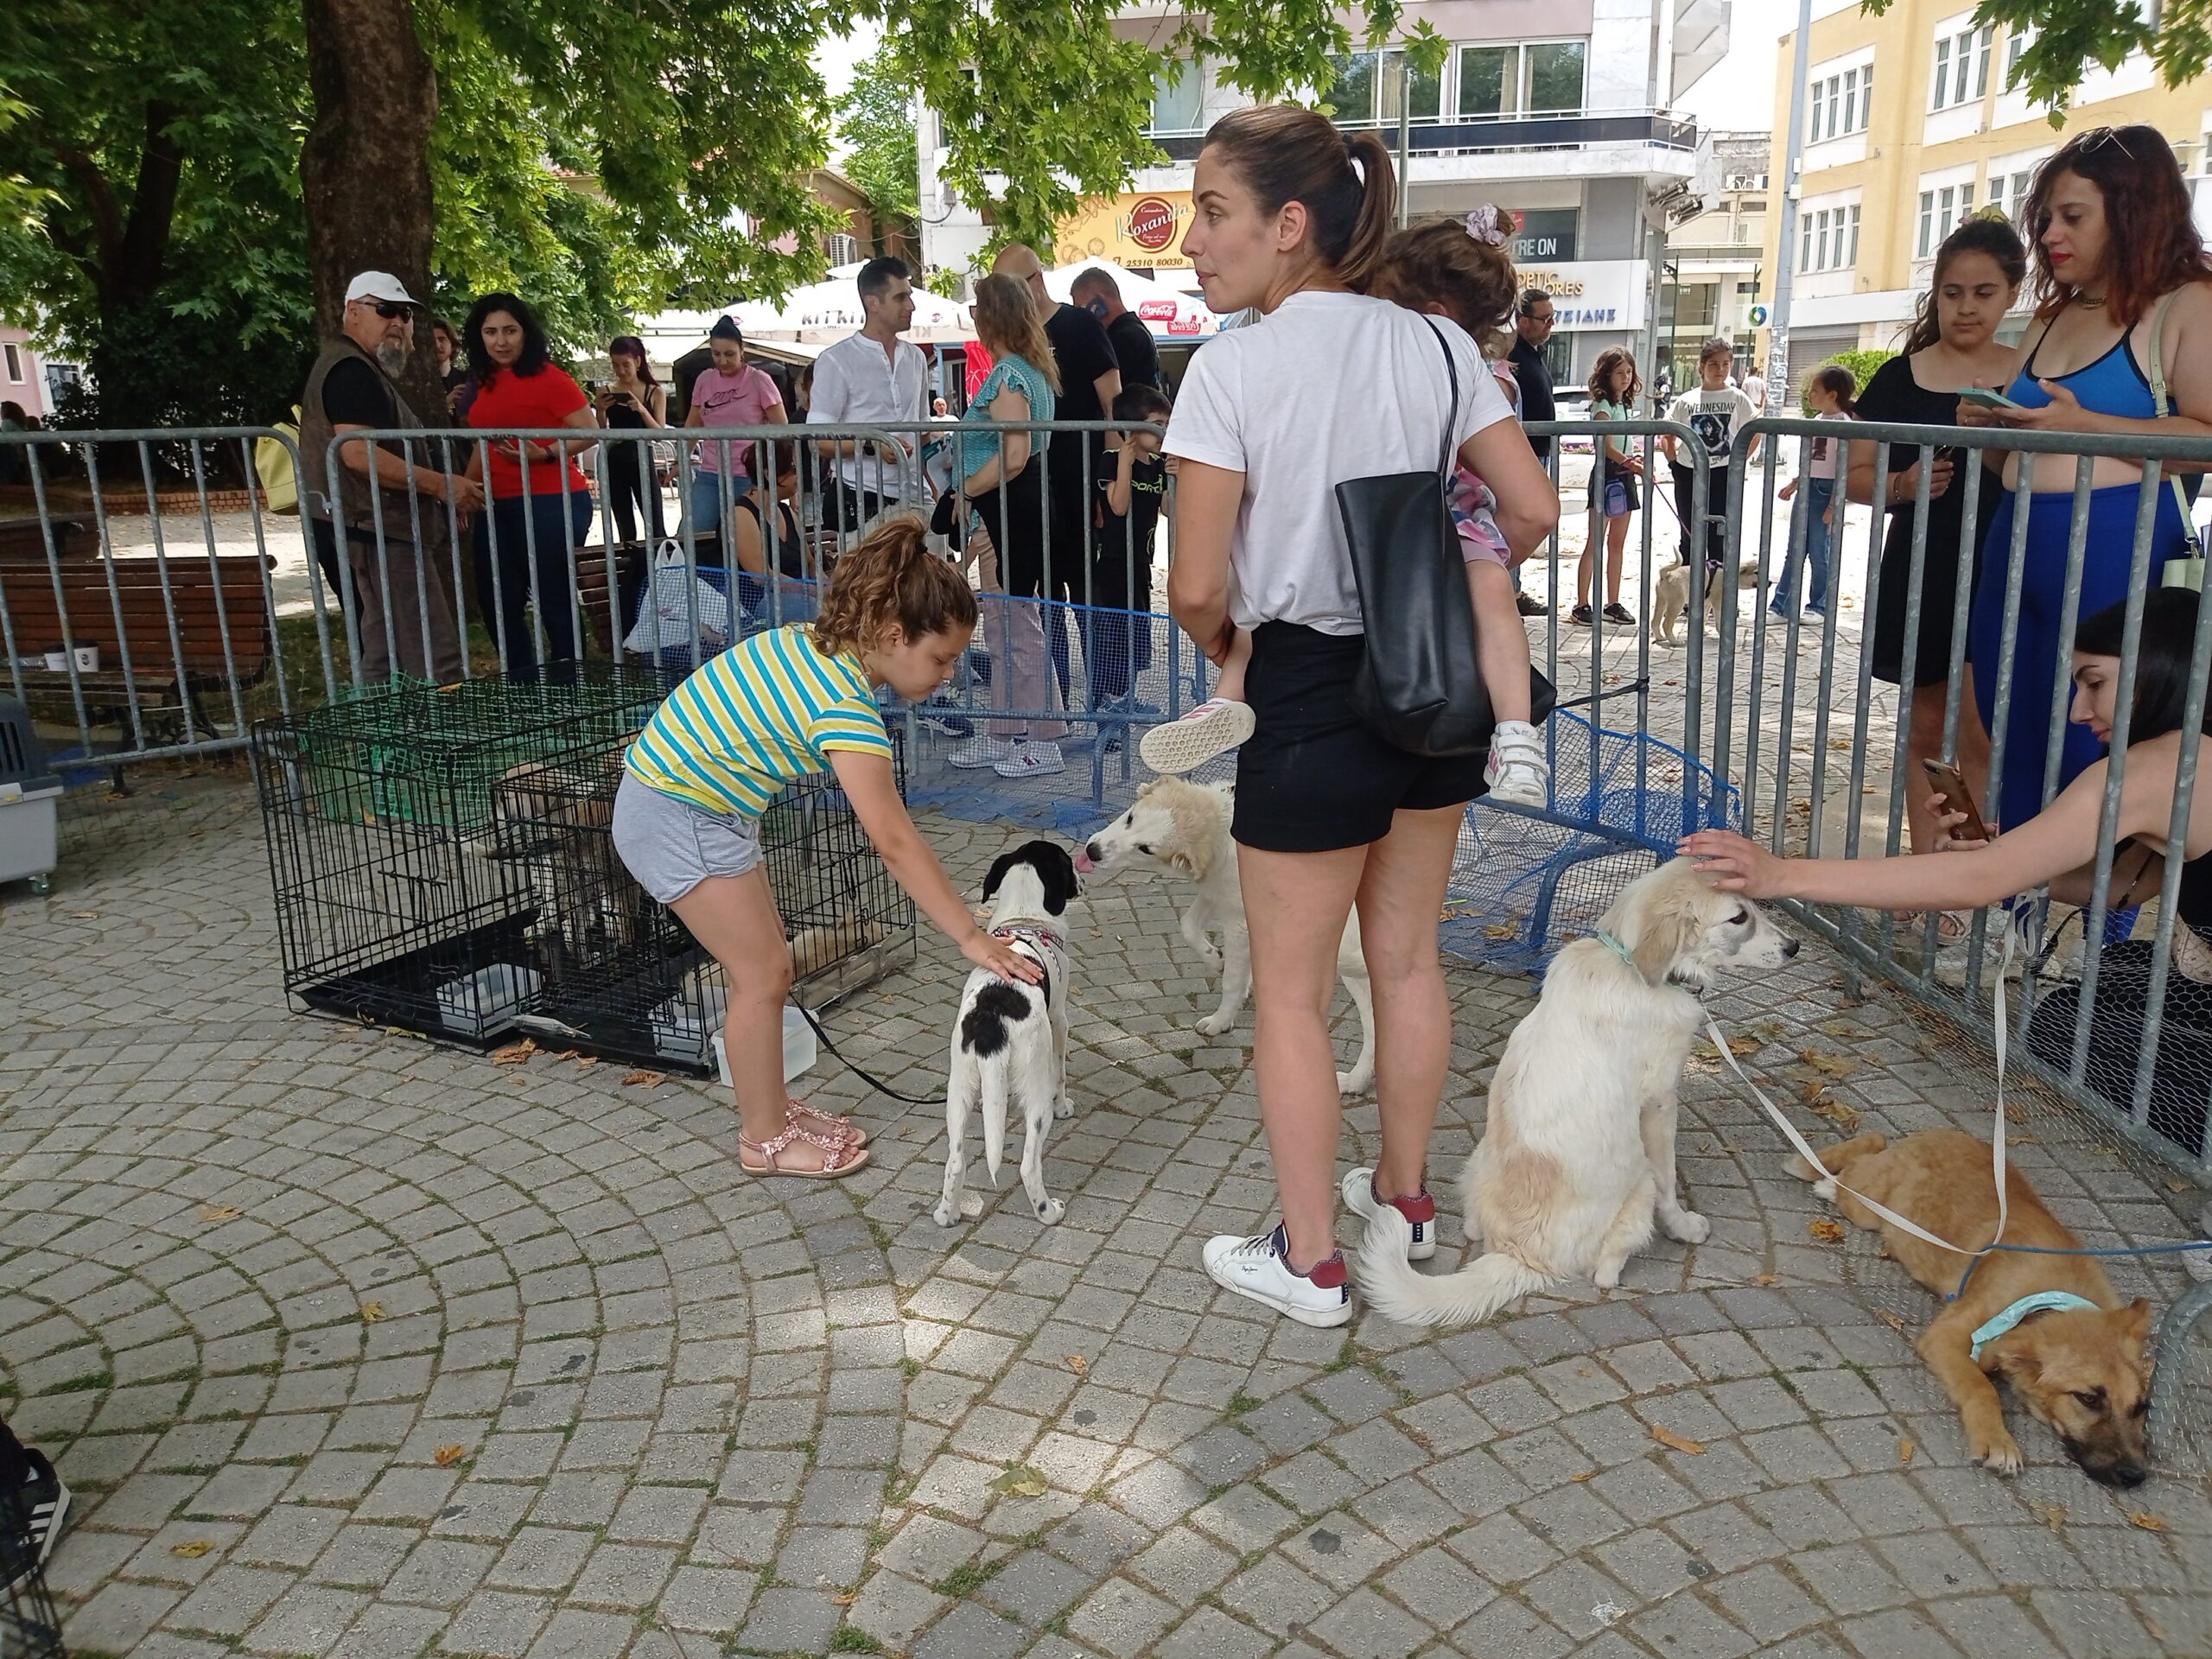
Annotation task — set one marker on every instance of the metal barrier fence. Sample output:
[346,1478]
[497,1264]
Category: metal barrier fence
[194,632]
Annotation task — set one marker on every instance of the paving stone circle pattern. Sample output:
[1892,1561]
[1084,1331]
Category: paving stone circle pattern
[352,1345]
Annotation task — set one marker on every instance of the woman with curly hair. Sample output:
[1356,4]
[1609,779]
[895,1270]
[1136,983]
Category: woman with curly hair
[2123,289]
[1614,476]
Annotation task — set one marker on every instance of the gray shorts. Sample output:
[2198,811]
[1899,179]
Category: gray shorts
[671,846]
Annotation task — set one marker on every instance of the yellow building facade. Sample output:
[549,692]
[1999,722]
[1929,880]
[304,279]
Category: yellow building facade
[1910,127]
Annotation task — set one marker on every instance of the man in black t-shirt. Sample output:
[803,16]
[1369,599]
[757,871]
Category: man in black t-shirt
[1096,292]
[1090,379]
[1532,326]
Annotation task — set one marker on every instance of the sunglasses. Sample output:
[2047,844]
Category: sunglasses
[388,310]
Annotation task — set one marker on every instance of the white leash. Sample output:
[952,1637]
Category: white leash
[1804,1148]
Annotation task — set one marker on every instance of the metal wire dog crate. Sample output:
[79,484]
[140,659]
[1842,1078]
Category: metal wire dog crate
[621,977]
[30,1626]
[383,821]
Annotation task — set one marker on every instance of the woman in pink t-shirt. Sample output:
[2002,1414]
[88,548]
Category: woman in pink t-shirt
[733,393]
[541,506]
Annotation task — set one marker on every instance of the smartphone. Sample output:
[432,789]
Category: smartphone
[1951,783]
[1983,396]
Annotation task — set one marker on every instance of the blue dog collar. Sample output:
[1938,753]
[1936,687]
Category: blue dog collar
[2043,1301]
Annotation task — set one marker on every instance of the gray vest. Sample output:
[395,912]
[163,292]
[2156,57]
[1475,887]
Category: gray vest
[354,508]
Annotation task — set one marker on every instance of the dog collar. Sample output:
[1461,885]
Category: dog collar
[2042,1301]
[1015,932]
[1616,947]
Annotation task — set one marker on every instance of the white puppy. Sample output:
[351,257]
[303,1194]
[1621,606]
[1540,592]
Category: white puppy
[1011,1040]
[1671,591]
[1577,1159]
[1183,827]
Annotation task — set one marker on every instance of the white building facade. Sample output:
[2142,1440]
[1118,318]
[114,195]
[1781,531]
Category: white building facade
[1562,111]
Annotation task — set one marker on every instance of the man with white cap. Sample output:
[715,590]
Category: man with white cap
[403,618]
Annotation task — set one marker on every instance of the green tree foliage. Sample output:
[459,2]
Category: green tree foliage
[1862,365]
[875,123]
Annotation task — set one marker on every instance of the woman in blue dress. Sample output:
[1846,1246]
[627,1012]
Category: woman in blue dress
[2123,299]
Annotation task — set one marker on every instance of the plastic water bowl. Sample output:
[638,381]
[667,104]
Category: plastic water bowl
[800,1050]
[482,1002]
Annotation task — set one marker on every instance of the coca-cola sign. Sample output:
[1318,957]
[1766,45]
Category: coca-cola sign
[1158,310]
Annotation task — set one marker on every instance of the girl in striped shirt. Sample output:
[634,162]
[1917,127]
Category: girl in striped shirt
[783,704]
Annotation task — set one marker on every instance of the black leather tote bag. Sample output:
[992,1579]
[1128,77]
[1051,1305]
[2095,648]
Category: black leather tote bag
[1419,686]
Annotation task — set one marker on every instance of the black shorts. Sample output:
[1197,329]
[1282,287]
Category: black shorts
[1312,777]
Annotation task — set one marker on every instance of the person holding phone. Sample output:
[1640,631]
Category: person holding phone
[2057,847]
[632,401]
[2124,302]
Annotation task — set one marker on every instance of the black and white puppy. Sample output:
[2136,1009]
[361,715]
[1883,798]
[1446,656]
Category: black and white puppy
[1011,1041]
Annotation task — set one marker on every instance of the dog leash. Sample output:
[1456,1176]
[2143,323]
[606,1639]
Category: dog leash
[867,1078]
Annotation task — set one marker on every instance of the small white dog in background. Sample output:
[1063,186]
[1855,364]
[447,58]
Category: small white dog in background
[1671,599]
[1577,1160]
[1183,827]
[1010,1042]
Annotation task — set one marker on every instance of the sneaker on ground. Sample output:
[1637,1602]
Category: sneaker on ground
[1419,1211]
[1579,616]
[1031,760]
[1259,1267]
[1214,727]
[1529,605]
[1620,614]
[979,752]
[1516,771]
[46,1502]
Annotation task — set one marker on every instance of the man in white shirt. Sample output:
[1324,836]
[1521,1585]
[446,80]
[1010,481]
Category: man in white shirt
[1755,389]
[872,378]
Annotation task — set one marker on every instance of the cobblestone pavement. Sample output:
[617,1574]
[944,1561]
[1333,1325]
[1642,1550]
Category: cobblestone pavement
[356,1346]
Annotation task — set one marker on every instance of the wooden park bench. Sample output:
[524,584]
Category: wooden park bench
[170,675]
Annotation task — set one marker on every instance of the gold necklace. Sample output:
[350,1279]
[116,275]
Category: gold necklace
[2088,304]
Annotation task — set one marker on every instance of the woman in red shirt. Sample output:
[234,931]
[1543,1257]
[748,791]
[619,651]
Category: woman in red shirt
[540,507]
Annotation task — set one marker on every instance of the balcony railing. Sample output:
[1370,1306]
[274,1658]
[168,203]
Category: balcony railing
[1510,132]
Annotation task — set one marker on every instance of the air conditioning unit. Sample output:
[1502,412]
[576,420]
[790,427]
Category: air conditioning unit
[1746,182]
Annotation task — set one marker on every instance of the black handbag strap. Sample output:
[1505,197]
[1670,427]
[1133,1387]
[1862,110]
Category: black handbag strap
[1451,420]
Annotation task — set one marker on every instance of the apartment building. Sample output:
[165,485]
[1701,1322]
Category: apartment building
[1716,273]
[1909,126]
[1562,110]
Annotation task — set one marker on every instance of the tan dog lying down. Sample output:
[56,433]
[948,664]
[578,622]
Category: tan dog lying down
[2084,1372]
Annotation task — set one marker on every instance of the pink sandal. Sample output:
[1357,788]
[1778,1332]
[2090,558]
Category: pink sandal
[798,1112]
[839,1157]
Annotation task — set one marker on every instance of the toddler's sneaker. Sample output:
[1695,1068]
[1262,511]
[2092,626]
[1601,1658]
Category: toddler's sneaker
[1214,727]
[1260,1268]
[979,752]
[1027,759]
[1419,1211]
[1516,771]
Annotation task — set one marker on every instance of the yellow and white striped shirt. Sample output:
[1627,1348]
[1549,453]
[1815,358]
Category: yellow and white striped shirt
[766,712]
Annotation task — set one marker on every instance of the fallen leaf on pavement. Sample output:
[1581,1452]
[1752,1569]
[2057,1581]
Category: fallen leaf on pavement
[192,1549]
[1828,1232]
[1828,1065]
[371,1312]
[1890,1320]
[514,1054]
[84,915]
[2051,1515]
[1905,1452]
[1844,1117]
[1587,1474]
[445,1456]
[2176,1187]
[220,1212]
[1080,1365]
[1766,1278]
[1667,1437]
[2144,1519]
[846,1599]
[586,1059]
[1021,1481]
[649,1079]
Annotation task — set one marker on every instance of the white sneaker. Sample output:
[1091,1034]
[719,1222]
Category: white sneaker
[1031,760]
[1516,771]
[1420,1213]
[1214,727]
[1259,1267]
[979,752]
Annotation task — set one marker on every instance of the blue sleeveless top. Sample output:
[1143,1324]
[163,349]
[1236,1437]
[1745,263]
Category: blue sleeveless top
[979,448]
[2113,385]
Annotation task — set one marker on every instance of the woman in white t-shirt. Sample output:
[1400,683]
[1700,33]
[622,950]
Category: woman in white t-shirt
[1326,385]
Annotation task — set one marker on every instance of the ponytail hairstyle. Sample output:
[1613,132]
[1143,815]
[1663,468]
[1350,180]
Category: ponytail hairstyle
[1984,232]
[1841,385]
[1283,154]
[1007,322]
[1462,267]
[891,578]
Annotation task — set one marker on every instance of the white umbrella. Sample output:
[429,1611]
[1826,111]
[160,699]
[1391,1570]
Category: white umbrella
[1169,313]
[820,314]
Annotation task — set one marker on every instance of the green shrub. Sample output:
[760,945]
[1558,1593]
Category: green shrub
[1862,366]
